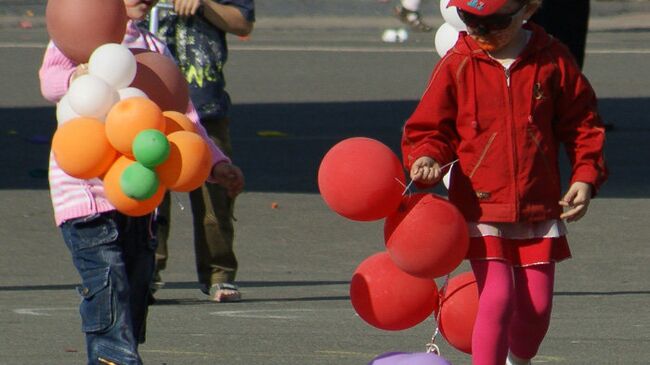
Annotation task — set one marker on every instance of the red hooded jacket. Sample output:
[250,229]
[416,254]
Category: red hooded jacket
[505,127]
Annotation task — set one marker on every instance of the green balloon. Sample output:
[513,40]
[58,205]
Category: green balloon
[150,147]
[139,182]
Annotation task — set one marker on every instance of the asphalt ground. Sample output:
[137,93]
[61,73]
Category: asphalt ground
[301,84]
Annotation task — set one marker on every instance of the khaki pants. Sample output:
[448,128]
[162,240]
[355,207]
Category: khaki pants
[212,217]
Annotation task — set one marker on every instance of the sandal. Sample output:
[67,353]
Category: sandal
[224,292]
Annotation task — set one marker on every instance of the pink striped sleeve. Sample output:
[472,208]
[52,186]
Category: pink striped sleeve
[55,73]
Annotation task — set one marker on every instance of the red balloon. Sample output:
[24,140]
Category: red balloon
[388,298]
[78,27]
[427,236]
[459,305]
[161,79]
[361,179]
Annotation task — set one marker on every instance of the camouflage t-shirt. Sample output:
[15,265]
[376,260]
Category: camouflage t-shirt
[201,51]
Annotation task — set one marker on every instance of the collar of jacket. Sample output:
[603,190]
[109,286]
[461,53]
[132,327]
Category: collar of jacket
[538,41]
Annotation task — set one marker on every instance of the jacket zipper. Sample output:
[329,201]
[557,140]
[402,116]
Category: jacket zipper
[514,143]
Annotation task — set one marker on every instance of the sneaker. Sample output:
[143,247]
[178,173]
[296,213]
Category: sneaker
[411,18]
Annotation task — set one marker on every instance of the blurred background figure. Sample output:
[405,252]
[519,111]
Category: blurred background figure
[567,21]
[408,12]
[195,32]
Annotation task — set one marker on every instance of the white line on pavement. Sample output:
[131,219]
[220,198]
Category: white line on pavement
[262,313]
[339,49]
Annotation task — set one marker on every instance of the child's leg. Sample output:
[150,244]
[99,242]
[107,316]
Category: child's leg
[139,257]
[496,294]
[534,293]
[97,246]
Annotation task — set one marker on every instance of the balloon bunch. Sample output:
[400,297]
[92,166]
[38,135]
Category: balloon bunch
[111,129]
[426,237]
[447,34]
[122,121]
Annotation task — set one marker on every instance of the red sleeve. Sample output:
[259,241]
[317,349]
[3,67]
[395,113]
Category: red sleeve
[579,125]
[431,129]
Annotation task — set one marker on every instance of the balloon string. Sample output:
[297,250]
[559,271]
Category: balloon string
[451,163]
[431,346]
[407,187]
[441,168]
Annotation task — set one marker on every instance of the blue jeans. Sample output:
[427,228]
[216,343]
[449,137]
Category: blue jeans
[114,255]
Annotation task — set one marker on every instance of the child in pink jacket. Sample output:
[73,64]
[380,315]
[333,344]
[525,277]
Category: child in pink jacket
[113,253]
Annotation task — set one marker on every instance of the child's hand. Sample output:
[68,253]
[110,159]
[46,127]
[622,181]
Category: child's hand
[187,7]
[576,200]
[230,177]
[82,69]
[426,170]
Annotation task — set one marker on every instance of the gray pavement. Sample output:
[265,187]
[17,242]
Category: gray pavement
[318,81]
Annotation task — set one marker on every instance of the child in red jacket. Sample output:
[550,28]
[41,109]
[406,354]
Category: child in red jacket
[501,101]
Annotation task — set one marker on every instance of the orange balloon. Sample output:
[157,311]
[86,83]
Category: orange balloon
[120,201]
[78,27]
[189,162]
[129,117]
[176,121]
[81,148]
[161,79]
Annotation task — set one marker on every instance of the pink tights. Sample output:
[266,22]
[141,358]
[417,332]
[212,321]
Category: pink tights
[514,310]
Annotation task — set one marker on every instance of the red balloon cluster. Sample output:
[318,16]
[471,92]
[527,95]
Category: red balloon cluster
[426,236]
[361,179]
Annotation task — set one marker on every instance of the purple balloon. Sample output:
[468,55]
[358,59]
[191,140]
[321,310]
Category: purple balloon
[423,358]
[389,358]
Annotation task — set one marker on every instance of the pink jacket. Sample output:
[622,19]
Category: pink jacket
[71,197]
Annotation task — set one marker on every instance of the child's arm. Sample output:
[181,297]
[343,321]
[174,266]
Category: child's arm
[426,170]
[223,171]
[576,201]
[580,127]
[55,73]
[429,137]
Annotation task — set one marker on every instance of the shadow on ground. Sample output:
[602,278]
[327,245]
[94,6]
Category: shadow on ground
[279,146]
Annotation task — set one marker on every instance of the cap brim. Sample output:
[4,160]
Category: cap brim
[478,7]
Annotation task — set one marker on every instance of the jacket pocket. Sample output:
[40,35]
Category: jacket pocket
[92,231]
[540,151]
[97,312]
[483,154]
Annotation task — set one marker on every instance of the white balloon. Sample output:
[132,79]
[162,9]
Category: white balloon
[113,63]
[131,92]
[90,96]
[446,37]
[451,16]
[64,111]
